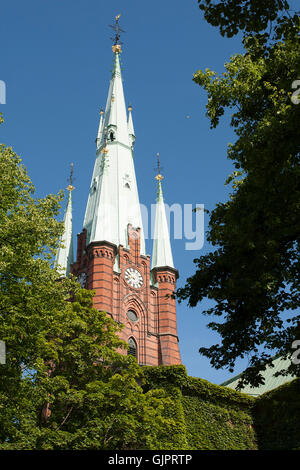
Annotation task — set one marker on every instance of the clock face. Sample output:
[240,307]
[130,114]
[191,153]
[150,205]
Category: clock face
[82,279]
[133,278]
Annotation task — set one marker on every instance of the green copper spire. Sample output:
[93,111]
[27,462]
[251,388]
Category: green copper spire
[65,254]
[113,201]
[162,253]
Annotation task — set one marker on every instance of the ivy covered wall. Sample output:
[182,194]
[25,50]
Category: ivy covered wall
[211,417]
[277,418]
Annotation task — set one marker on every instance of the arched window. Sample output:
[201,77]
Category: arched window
[132,348]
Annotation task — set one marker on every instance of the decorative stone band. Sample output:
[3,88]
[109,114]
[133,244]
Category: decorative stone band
[99,252]
[163,269]
[103,242]
[169,334]
[149,333]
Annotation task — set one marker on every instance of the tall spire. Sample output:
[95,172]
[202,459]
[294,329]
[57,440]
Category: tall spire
[162,253]
[65,254]
[113,200]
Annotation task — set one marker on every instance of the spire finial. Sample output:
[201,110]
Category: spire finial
[71,179]
[116,39]
[159,176]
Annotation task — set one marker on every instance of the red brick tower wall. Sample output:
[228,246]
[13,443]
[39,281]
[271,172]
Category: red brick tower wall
[154,329]
[168,338]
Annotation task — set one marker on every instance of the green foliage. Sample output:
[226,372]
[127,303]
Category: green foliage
[214,427]
[217,418]
[249,16]
[171,379]
[165,376]
[253,273]
[276,418]
[216,394]
[29,236]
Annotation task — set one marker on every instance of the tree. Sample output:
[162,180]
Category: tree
[65,384]
[253,273]
[82,393]
[249,16]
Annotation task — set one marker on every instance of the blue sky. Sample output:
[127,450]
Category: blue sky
[56,60]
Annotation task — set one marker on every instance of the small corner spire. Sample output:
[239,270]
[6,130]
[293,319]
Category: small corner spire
[130,126]
[100,129]
[162,252]
[65,253]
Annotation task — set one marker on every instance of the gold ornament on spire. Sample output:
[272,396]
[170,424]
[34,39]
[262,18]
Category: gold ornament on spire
[117,48]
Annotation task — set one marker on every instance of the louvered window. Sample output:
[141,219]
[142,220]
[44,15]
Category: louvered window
[132,347]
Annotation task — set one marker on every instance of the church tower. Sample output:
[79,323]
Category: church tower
[111,254]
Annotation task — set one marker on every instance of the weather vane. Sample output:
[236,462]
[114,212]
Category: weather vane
[71,179]
[158,168]
[116,38]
